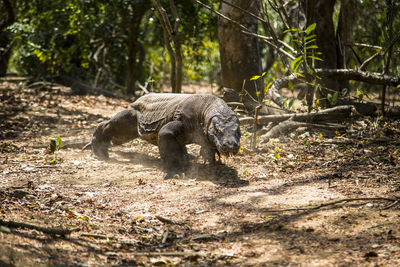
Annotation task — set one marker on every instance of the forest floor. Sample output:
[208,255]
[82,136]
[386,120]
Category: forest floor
[259,208]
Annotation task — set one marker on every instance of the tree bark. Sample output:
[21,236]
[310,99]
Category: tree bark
[344,36]
[338,113]
[5,39]
[171,35]
[135,50]
[325,32]
[239,53]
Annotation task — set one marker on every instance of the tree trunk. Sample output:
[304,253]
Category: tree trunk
[135,49]
[323,13]
[5,39]
[240,55]
[171,36]
[344,36]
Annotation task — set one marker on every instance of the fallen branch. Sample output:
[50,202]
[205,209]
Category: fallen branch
[362,76]
[50,231]
[97,236]
[394,200]
[287,126]
[167,221]
[332,114]
[167,254]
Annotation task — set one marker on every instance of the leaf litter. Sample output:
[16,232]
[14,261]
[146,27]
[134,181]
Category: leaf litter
[256,209]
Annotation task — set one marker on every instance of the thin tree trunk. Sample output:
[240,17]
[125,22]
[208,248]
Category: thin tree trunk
[321,13]
[134,49]
[5,40]
[171,35]
[344,36]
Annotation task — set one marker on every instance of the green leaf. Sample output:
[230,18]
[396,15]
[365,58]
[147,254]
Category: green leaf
[310,37]
[291,103]
[360,95]
[311,28]
[256,77]
[299,74]
[290,84]
[53,145]
[312,47]
[292,30]
[267,88]
[335,98]
[5,229]
[60,143]
[313,40]
[316,58]
[263,74]
[296,63]
[398,86]
[345,91]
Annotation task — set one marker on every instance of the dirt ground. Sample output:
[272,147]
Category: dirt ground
[259,208]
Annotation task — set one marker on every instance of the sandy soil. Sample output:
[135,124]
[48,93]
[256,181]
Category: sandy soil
[258,209]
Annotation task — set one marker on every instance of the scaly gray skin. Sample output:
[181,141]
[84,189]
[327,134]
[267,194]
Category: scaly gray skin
[119,129]
[171,121]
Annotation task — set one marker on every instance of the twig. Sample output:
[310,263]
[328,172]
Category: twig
[167,254]
[51,231]
[395,201]
[97,236]
[391,205]
[167,221]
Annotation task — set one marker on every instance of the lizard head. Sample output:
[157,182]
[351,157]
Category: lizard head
[224,132]
[99,144]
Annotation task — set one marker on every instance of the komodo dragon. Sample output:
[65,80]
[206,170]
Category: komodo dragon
[171,121]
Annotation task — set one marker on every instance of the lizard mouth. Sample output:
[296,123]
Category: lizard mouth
[229,152]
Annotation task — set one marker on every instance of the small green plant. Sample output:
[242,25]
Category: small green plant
[304,41]
[333,98]
[55,144]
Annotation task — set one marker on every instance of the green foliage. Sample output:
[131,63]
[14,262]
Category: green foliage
[332,98]
[304,41]
[52,38]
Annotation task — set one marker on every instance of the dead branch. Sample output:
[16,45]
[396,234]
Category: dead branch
[287,126]
[338,113]
[97,236]
[50,231]
[357,75]
[280,83]
[167,221]
[345,200]
[167,254]
[233,96]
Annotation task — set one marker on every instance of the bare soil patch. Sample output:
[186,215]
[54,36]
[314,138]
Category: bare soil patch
[251,211]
